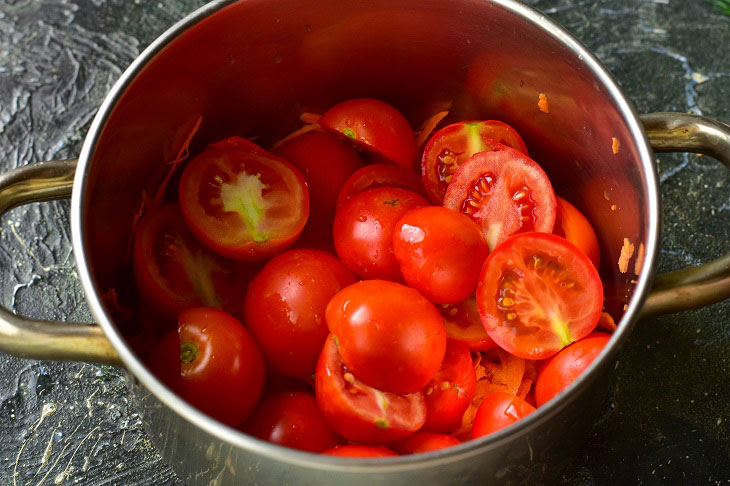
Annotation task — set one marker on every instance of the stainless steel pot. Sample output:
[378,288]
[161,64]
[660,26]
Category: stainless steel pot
[250,67]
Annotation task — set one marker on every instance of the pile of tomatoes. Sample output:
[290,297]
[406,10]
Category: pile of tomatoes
[326,296]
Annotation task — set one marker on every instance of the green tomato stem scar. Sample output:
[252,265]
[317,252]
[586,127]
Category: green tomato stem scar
[349,133]
[382,424]
[561,329]
[245,197]
[476,144]
[188,352]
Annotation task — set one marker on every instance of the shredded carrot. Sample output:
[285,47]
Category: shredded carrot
[614,207]
[543,103]
[428,127]
[135,224]
[295,133]
[310,118]
[627,250]
[615,144]
[639,263]
[182,154]
[606,322]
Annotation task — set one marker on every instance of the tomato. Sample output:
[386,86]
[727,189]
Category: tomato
[222,369]
[455,144]
[574,227]
[504,191]
[450,392]
[164,361]
[440,253]
[422,442]
[379,175]
[565,367]
[292,419]
[243,202]
[360,451]
[326,164]
[361,413]
[498,411]
[285,305]
[363,230]
[173,271]
[388,334]
[375,126]
[537,294]
[463,324]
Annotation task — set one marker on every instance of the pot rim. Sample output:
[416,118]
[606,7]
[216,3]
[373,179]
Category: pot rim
[470,448]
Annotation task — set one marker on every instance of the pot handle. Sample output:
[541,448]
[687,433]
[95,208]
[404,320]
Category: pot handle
[46,181]
[705,284]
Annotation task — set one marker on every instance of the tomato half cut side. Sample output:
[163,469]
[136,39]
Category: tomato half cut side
[463,324]
[173,271]
[374,126]
[537,294]
[243,202]
[379,175]
[453,145]
[574,227]
[505,191]
[361,413]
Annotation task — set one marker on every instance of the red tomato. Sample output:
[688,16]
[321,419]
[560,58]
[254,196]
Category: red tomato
[285,305]
[363,230]
[455,144]
[379,175]
[463,324]
[292,419]
[440,253]
[375,126]
[222,369]
[422,442]
[326,164]
[450,392]
[388,334]
[173,271]
[565,367]
[498,411]
[537,294]
[242,201]
[360,451]
[504,191]
[164,361]
[361,413]
[574,227]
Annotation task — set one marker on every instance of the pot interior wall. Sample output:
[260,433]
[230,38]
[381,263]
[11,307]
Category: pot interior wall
[251,68]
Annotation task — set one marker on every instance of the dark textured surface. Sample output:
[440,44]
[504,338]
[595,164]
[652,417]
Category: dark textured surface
[668,419]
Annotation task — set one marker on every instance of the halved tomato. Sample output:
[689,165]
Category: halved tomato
[574,227]
[463,324]
[243,202]
[537,294]
[505,191]
[455,144]
[173,271]
[379,175]
[359,412]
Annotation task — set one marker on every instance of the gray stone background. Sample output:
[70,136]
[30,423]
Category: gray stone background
[668,418]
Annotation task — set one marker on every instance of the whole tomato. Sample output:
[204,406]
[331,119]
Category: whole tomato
[422,442]
[389,335]
[498,411]
[285,307]
[360,451]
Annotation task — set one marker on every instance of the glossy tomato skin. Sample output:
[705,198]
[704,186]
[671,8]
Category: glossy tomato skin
[542,268]
[389,335]
[422,442]
[440,253]
[164,361]
[565,367]
[361,413]
[574,227]
[173,271]
[505,191]
[284,308]
[463,324]
[498,411]
[243,202]
[454,144]
[326,162]
[360,451]
[450,392]
[375,126]
[222,369]
[292,419]
[363,230]
[380,175]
